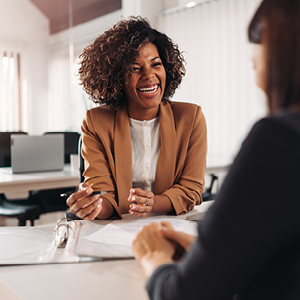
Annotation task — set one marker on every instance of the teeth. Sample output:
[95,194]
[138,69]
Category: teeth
[149,90]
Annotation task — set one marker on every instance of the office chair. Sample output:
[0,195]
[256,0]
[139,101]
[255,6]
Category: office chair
[71,215]
[207,194]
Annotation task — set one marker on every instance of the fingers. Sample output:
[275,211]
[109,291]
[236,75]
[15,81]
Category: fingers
[147,236]
[84,191]
[183,239]
[167,230]
[150,240]
[85,204]
[140,192]
[141,202]
[90,212]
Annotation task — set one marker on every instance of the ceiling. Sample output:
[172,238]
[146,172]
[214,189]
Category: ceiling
[83,10]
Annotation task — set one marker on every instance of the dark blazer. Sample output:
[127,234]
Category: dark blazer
[181,163]
[249,241]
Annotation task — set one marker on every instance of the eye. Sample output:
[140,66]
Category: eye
[135,69]
[156,64]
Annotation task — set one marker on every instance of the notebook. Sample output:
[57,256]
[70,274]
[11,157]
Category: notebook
[37,153]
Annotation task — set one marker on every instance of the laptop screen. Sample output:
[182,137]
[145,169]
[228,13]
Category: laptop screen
[37,153]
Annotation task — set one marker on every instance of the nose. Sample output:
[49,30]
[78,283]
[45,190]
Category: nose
[149,73]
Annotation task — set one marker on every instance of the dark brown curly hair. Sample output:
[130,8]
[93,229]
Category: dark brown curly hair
[106,63]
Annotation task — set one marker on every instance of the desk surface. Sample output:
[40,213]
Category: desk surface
[107,280]
[17,186]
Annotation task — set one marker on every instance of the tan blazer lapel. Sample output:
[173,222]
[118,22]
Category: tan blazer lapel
[165,171]
[123,158]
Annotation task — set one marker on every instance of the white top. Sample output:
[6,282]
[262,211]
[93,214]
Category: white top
[145,143]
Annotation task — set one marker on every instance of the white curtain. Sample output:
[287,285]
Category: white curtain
[213,36]
[67,101]
[9,90]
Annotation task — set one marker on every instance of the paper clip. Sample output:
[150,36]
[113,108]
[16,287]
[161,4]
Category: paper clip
[62,232]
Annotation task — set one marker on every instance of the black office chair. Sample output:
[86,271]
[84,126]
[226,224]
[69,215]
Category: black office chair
[208,193]
[71,215]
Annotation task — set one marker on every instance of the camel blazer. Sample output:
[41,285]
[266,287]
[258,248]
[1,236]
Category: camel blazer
[181,164]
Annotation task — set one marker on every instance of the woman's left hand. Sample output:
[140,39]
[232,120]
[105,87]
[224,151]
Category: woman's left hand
[141,202]
[151,249]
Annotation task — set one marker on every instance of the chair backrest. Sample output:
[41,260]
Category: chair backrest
[81,160]
[71,143]
[5,152]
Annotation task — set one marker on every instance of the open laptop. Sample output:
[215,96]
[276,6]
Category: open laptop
[37,153]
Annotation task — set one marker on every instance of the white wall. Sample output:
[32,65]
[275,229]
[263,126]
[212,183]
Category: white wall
[24,27]
[219,77]
[195,30]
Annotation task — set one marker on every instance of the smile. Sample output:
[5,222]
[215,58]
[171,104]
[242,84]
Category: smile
[150,90]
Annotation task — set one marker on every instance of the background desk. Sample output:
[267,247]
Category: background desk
[17,186]
[106,280]
[216,163]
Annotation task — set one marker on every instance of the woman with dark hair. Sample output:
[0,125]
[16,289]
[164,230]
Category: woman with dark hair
[144,153]
[248,244]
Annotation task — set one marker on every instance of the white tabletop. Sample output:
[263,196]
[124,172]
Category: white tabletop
[107,280]
[17,186]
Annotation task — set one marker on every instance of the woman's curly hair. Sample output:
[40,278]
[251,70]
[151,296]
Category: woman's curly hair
[106,63]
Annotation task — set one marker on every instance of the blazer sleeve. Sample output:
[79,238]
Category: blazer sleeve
[189,178]
[96,151]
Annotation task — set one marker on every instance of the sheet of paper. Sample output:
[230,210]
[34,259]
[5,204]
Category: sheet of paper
[122,232]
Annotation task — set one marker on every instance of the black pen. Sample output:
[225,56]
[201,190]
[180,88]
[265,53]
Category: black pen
[68,194]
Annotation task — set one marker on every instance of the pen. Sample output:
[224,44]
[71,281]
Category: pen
[68,194]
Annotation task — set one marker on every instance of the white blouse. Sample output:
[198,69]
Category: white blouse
[145,143]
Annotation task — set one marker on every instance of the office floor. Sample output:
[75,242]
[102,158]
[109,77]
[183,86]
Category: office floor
[45,219]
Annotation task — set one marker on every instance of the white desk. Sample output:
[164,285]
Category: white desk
[17,186]
[106,280]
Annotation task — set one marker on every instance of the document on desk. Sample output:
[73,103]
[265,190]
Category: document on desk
[122,232]
[114,239]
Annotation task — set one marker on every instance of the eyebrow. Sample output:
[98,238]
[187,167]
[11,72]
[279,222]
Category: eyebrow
[154,58]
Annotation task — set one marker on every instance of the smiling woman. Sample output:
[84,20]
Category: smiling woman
[146,87]
[143,152]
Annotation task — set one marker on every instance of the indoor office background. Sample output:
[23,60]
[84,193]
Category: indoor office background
[40,43]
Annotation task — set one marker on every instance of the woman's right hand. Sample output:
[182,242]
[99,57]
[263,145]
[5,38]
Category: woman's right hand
[184,240]
[85,205]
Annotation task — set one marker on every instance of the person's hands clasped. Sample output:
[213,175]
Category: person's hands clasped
[142,202]
[183,239]
[151,249]
[85,205]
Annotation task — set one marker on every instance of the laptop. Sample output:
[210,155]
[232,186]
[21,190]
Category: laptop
[37,153]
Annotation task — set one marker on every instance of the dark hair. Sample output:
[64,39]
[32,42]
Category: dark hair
[106,63]
[255,27]
[276,24]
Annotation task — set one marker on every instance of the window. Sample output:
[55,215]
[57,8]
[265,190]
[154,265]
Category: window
[10,96]
[67,100]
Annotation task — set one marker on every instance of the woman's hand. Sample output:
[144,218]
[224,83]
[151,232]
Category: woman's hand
[151,249]
[184,240]
[87,206]
[141,202]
